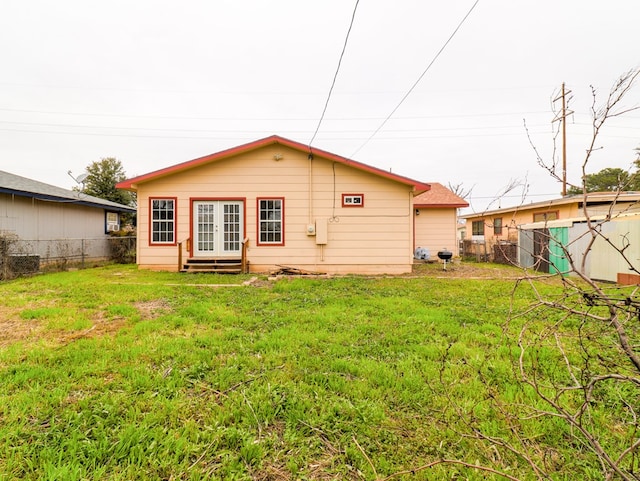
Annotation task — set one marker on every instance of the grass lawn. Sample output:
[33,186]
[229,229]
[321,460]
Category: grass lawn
[114,373]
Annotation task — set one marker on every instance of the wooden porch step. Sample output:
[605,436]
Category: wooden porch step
[220,265]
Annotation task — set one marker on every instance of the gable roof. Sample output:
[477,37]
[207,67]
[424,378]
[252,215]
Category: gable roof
[24,187]
[439,196]
[131,184]
[591,198]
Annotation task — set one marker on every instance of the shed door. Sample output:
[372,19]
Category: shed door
[541,249]
[217,228]
[558,241]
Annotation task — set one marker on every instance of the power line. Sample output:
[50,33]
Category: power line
[419,78]
[344,47]
[228,119]
[267,132]
[208,130]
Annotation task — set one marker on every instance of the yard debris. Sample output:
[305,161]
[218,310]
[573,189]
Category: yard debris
[293,271]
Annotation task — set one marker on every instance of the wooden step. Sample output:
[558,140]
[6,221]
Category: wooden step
[221,265]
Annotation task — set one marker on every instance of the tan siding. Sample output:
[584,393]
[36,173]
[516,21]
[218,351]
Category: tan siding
[378,233]
[436,229]
[510,220]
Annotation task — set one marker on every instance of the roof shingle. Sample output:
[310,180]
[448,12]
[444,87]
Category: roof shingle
[438,196]
[22,186]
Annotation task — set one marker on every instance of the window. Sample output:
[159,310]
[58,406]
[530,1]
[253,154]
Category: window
[352,200]
[270,222]
[113,222]
[163,221]
[477,227]
[497,226]
[545,216]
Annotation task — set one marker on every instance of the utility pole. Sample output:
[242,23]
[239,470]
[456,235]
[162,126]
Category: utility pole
[563,119]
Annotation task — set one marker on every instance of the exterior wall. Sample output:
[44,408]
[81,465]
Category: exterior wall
[510,222]
[511,219]
[606,263]
[436,228]
[41,226]
[375,238]
[602,262]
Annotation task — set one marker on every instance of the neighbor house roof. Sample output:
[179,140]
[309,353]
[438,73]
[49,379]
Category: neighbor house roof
[24,187]
[591,199]
[131,184]
[439,196]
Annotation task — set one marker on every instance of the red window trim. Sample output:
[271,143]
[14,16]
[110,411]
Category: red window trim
[175,222]
[361,204]
[269,244]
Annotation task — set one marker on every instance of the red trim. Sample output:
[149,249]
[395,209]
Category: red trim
[258,243]
[361,204]
[440,206]
[215,199]
[175,222]
[131,184]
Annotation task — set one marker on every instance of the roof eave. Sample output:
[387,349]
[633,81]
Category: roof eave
[437,206]
[66,200]
[133,183]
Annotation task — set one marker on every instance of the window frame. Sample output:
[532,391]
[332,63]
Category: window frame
[174,232]
[115,226]
[497,226]
[259,222]
[545,213]
[473,227]
[347,200]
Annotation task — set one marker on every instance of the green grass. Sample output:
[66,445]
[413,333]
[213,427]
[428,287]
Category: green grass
[120,374]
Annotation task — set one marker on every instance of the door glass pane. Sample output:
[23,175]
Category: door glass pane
[206,227]
[231,225]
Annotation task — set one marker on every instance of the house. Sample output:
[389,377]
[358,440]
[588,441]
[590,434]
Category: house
[275,202]
[436,219]
[51,223]
[497,226]
[553,246]
[541,234]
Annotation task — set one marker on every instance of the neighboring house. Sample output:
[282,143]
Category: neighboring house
[436,221]
[551,246]
[501,225]
[275,202]
[540,235]
[51,222]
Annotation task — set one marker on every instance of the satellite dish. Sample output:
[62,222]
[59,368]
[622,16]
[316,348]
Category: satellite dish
[80,179]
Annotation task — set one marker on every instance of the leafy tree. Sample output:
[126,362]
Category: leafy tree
[103,175]
[610,179]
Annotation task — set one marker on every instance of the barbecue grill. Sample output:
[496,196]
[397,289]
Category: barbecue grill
[445,255]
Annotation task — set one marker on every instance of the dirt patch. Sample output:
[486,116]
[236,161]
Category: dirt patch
[467,270]
[100,327]
[152,309]
[12,330]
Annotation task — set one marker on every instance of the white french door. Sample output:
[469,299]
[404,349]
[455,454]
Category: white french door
[218,226]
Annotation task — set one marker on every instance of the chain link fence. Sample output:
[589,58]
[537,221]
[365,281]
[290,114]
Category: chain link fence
[23,256]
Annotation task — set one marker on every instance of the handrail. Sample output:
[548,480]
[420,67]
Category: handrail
[187,241]
[245,263]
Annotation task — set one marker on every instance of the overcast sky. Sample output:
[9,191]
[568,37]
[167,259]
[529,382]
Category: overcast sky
[155,82]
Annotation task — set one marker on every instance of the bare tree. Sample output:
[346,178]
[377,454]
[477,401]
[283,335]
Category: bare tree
[575,355]
[592,330]
[460,190]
